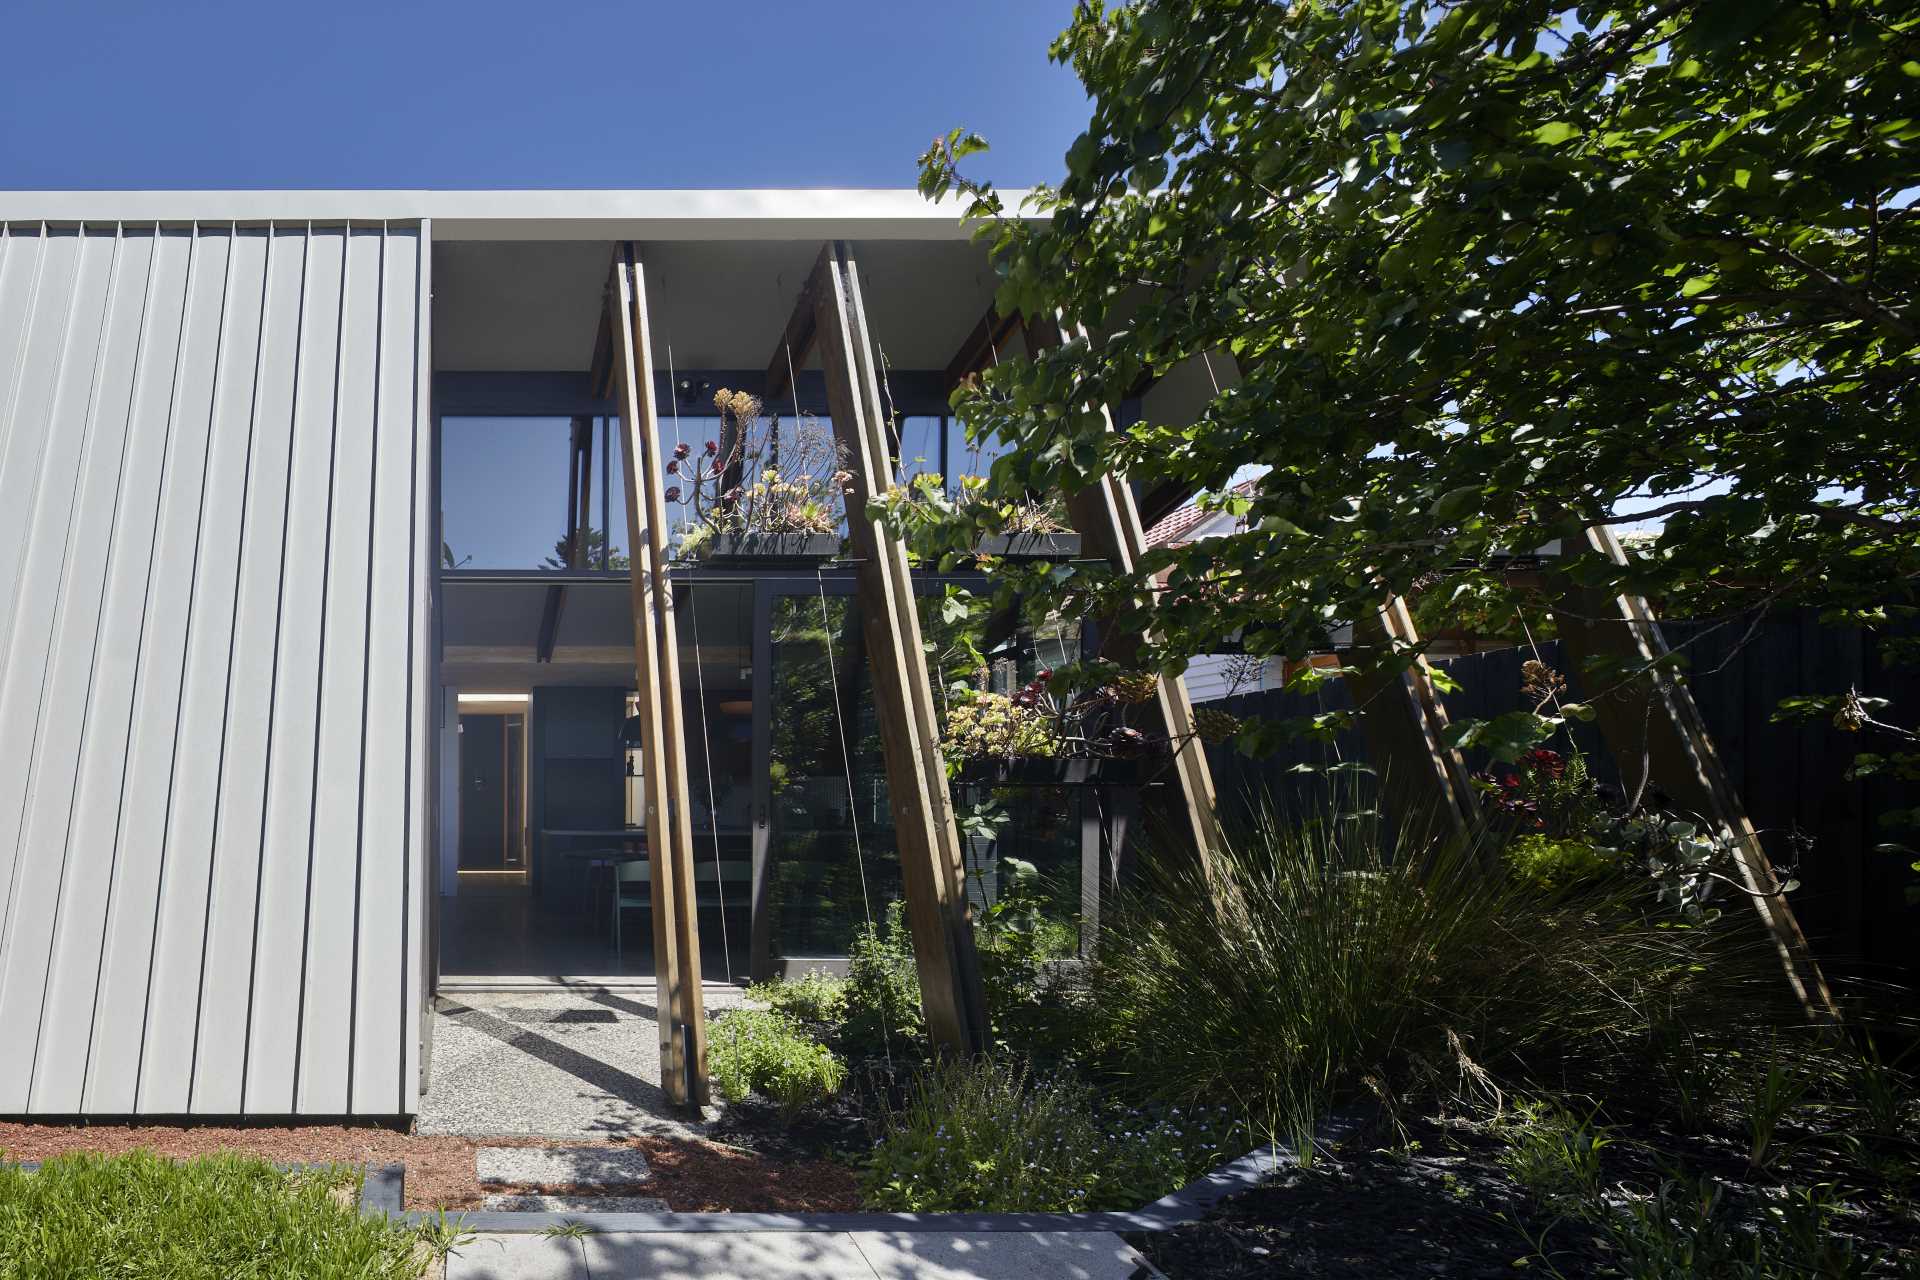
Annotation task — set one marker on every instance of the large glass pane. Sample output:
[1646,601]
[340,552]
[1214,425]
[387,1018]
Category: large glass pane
[969,457]
[920,446]
[505,485]
[715,631]
[832,864]
[1040,824]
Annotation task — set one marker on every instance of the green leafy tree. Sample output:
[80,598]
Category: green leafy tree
[1472,277]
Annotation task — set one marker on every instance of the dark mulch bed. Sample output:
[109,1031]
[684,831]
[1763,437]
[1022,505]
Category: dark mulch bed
[835,1130]
[1443,1205]
[1434,1211]
[841,1129]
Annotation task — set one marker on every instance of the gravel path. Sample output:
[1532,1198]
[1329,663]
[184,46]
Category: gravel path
[554,1063]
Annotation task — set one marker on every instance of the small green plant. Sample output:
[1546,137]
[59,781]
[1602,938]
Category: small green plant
[440,1234]
[1776,1092]
[1693,1077]
[1554,1153]
[1883,1093]
[883,988]
[990,1136]
[1689,1227]
[814,997]
[1553,866]
[760,1051]
[571,1229]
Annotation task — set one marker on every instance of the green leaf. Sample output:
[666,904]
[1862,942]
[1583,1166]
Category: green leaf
[1556,132]
[1457,503]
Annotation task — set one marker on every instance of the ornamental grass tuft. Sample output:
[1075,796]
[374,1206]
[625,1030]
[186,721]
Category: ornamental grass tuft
[990,1136]
[1322,959]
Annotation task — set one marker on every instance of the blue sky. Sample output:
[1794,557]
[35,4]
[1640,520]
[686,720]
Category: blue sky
[579,93]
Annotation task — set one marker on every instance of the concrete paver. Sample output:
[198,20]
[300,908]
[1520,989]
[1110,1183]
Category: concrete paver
[509,1202]
[998,1255]
[561,1166]
[758,1255]
[519,1257]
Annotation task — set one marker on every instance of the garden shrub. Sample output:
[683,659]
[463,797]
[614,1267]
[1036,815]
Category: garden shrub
[1320,959]
[883,988]
[815,997]
[764,1052]
[987,1136]
[1554,866]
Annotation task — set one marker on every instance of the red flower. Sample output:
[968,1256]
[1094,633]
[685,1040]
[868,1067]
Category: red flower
[1045,673]
[673,467]
[682,450]
[673,493]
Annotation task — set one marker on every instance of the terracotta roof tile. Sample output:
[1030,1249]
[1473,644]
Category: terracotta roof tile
[1169,530]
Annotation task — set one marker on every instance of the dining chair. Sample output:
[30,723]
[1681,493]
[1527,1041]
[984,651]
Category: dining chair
[639,875]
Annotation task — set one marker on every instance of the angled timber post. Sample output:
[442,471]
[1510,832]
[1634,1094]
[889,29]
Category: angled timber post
[830,315]
[676,933]
[1108,522]
[1656,734]
[1405,724]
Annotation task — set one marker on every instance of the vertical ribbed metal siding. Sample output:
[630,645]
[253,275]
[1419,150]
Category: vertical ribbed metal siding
[213,499]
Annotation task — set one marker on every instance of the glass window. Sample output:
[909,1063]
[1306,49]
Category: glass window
[969,457]
[504,486]
[920,440]
[831,863]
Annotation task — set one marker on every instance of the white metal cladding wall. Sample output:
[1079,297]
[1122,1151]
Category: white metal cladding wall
[213,497]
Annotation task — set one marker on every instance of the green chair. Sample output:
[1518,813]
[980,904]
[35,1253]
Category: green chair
[639,875]
[726,884]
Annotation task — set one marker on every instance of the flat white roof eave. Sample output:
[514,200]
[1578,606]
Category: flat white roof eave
[767,214]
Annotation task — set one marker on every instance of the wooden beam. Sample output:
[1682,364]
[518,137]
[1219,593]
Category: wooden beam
[982,346]
[1656,735]
[550,610]
[1108,522]
[682,1012]
[1405,724]
[796,344]
[930,853]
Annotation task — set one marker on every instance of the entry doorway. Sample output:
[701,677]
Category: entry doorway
[493,793]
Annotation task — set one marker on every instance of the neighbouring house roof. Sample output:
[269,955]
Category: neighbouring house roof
[1172,531]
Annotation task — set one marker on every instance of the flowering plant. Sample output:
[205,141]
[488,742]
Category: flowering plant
[763,479]
[1050,716]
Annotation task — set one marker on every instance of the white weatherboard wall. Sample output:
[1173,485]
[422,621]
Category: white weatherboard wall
[213,499]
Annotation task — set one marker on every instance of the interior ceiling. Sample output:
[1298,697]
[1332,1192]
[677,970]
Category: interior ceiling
[535,305]
[490,629]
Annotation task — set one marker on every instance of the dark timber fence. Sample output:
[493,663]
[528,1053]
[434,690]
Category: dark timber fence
[1852,900]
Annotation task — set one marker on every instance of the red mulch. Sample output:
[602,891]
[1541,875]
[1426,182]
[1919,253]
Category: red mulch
[690,1175]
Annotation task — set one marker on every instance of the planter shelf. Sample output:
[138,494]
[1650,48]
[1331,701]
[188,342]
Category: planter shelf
[1075,771]
[762,548]
[1031,546]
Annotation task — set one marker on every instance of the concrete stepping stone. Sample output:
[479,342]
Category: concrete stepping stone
[561,1166]
[513,1203]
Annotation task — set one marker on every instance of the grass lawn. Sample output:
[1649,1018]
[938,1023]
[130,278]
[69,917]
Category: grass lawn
[217,1216]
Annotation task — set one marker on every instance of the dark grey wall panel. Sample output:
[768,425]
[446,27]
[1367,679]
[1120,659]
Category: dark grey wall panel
[212,533]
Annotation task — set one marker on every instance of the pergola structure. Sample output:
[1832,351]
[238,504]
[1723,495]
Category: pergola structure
[828,322]
[1401,714]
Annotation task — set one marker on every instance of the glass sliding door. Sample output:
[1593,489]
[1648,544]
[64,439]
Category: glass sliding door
[715,632]
[830,861]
